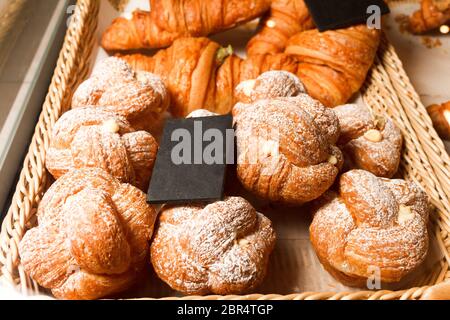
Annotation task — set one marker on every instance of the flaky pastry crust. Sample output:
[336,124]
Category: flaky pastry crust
[371,142]
[95,137]
[372,227]
[220,248]
[92,236]
[140,97]
[286,148]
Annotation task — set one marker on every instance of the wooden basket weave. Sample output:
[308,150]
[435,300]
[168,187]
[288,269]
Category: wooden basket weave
[387,89]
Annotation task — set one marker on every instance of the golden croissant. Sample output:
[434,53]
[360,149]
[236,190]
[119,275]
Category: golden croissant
[200,74]
[431,15]
[372,226]
[172,19]
[286,18]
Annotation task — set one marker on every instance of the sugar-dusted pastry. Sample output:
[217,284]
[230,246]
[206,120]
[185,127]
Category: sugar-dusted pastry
[374,227]
[370,142]
[270,84]
[94,137]
[92,236]
[431,15]
[140,97]
[219,248]
[169,20]
[286,148]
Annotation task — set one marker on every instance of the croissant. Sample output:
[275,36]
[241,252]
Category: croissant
[200,74]
[221,248]
[334,64]
[93,236]
[371,227]
[286,148]
[172,19]
[370,142]
[88,137]
[431,15]
[285,19]
[140,97]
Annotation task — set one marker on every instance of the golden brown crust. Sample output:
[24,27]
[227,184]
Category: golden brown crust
[286,148]
[431,15]
[370,142]
[285,19]
[169,20]
[372,226]
[333,64]
[440,115]
[92,236]
[88,137]
[220,248]
[200,74]
[140,97]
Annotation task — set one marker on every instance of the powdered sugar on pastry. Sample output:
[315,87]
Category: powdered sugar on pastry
[220,248]
[372,223]
[92,237]
[270,84]
[286,148]
[140,97]
[88,137]
[372,142]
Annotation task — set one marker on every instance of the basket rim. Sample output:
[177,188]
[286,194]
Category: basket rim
[32,178]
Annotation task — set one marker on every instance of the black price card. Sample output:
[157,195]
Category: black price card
[192,159]
[334,14]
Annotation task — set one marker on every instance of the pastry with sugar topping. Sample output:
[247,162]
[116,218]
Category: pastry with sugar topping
[270,84]
[141,97]
[369,142]
[286,148]
[88,137]
[92,236]
[220,248]
[372,226]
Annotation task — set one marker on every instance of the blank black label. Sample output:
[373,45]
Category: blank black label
[186,172]
[334,14]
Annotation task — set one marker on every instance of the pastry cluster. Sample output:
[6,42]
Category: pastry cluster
[198,73]
[96,233]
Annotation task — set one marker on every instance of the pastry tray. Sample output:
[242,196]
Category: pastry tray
[294,271]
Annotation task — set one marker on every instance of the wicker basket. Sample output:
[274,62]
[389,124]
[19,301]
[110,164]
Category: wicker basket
[387,89]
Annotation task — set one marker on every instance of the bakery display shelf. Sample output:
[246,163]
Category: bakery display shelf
[387,90]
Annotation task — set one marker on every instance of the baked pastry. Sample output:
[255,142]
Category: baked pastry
[270,84]
[440,115]
[140,97]
[370,142]
[88,137]
[286,148]
[372,227]
[92,236]
[334,64]
[169,20]
[286,18]
[431,15]
[220,248]
[200,74]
